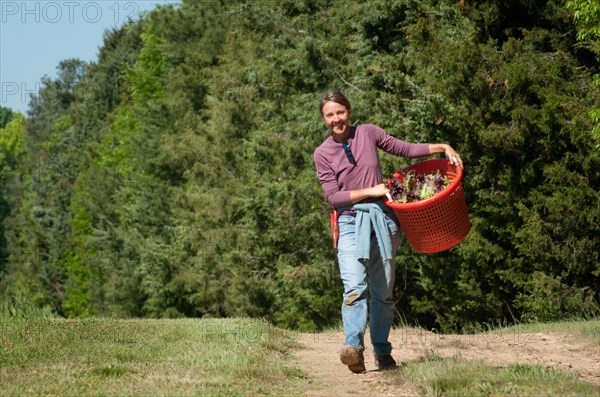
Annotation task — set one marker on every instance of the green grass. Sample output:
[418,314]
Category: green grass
[456,376]
[585,329]
[184,357]
[42,355]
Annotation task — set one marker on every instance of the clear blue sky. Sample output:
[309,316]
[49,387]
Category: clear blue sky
[36,35]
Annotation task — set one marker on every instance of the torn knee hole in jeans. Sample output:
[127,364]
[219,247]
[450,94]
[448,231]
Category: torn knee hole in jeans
[351,298]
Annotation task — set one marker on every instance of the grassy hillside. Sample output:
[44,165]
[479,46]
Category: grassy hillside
[231,357]
[145,358]
[465,373]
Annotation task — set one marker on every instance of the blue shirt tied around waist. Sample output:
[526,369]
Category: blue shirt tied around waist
[371,217]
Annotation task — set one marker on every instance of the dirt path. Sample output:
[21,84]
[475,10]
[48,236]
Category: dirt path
[328,377]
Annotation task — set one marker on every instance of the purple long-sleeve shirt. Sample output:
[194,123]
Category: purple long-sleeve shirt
[338,176]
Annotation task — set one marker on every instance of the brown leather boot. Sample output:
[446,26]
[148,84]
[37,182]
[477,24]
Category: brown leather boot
[353,358]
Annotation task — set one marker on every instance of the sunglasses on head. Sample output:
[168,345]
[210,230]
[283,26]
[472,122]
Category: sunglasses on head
[348,153]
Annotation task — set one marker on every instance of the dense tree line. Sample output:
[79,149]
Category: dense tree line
[174,176]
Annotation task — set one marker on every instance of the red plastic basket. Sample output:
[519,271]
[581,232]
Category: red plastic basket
[439,222]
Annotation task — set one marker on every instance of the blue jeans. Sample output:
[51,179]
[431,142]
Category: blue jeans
[378,277]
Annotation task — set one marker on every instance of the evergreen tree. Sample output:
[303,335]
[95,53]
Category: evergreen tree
[11,154]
